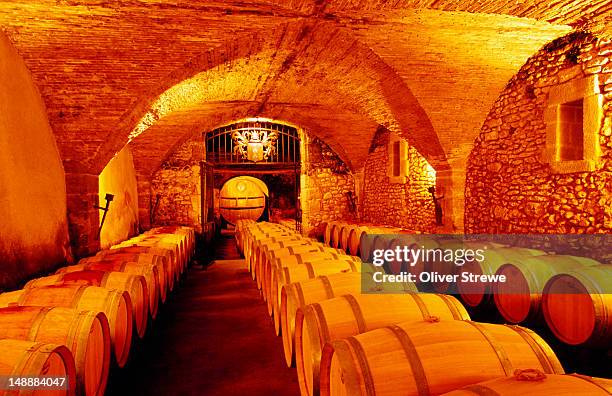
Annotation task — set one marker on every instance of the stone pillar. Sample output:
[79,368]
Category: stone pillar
[451,184]
[83,219]
[144,202]
[359,177]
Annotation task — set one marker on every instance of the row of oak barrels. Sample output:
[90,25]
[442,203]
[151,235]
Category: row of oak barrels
[570,293]
[345,342]
[79,321]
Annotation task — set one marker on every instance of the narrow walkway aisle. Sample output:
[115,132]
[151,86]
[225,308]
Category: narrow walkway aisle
[213,337]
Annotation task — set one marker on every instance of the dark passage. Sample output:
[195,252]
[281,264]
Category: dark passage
[212,337]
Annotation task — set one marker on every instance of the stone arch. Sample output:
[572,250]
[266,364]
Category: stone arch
[391,104]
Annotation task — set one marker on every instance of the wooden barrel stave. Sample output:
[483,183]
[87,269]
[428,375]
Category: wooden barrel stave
[148,271]
[349,315]
[311,266]
[430,358]
[134,285]
[116,305]
[535,383]
[20,358]
[519,298]
[577,306]
[297,295]
[296,255]
[144,259]
[475,294]
[85,333]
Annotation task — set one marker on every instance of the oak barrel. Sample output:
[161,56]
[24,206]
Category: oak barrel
[310,267]
[415,265]
[297,255]
[116,305]
[577,306]
[168,258]
[419,358]
[474,294]
[253,243]
[134,285]
[85,333]
[20,358]
[162,246]
[362,247]
[280,248]
[518,299]
[260,247]
[297,295]
[349,315]
[148,271]
[535,383]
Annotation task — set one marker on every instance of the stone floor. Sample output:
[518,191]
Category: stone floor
[212,337]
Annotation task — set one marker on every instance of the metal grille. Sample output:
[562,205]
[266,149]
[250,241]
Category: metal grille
[221,146]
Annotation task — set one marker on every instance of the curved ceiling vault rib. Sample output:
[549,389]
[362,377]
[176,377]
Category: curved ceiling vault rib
[148,156]
[95,62]
[299,68]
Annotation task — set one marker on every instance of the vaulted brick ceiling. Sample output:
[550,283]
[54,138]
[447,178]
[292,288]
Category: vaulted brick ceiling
[427,69]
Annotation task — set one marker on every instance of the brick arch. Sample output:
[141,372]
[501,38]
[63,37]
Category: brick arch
[148,160]
[346,74]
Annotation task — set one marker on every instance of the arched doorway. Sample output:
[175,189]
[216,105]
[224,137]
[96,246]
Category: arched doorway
[263,159]
[243,197]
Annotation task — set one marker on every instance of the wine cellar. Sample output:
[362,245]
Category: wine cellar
[377,198]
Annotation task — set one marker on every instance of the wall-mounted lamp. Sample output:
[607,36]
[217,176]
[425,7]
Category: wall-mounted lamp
[109,198]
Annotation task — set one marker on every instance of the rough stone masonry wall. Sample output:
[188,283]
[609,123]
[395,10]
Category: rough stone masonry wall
[509,188]
[325,187]
[175,187]
[407,205]
[325,182]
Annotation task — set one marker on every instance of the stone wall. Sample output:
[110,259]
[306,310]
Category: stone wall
[119,178]
[325,184]
[175,187]
[326,187]
[408,205]
[33,222]
[510,187]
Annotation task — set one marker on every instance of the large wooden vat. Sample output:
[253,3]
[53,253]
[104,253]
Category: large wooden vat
[241,198]
[85,333]
[419,358]
[134,285]
[116,305]
[535,383]
[349,315]
[577,306]
[20,358]
[518,299]
[150,272]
